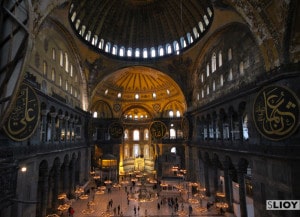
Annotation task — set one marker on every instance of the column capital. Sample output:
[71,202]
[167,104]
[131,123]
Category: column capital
[53,114]
[44,111]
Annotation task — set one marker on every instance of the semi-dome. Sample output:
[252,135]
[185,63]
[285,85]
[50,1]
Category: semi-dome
[140,29]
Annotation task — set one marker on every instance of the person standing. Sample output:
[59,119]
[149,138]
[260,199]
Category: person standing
[71,211]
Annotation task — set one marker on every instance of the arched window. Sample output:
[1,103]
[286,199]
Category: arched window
[107,47]
[122,51]
[230,76]
[126,151]
[168,48]
[241,68]
[88,36]
[160,51]
[137,52]
[201,26]
[214,85]
[178,114]
[176,47]
[81,32]
[129,52]
[114,50]
[145,53]
[67,85]
[209,11]
[213,62]
[77,24]
[207,70]
[71,71]
[189,38]
[171,114]
[66,62]
[221,80]
[44,68]
[207,90]
[95,40]
[229,54]
[125,134]
[153,52]
[220,58]
[206,21]
[202,93]
[196,33]
[95,114]
[245,128]
[61,58]
[202,77]
[146,134]
[173,150]
[136,150]
[73,16]
[60,81]
[182,42]
[101,44]
[172,133]
[136,135]
[53,74]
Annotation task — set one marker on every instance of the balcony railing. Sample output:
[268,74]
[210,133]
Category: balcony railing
[264,148]
[18,152]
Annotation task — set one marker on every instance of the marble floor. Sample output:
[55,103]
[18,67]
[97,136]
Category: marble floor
[114,202]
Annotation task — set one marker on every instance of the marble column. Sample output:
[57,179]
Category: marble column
[228,185]
[215,177]
[71,122]
[66,128]
[56,188]
[206,178]
[72,176]
[44,198]
[66,178]
[242,193]
[53,133]
[44,113]
[61,117]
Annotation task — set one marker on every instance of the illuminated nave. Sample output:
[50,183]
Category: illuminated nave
[176,107]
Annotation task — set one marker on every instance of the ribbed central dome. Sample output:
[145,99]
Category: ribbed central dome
[140,28]
[146,83]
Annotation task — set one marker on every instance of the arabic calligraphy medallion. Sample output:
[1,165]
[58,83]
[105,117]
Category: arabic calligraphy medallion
[158,129]
[276,112]
[116,130]
[24,118]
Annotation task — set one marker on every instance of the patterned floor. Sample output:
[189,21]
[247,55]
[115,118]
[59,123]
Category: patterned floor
[97,205]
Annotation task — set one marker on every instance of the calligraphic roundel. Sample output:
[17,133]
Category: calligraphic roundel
[158,129]
[276,112]
[116,130]
[24,118]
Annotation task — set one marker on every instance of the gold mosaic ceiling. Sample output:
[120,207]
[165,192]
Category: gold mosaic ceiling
[138,84]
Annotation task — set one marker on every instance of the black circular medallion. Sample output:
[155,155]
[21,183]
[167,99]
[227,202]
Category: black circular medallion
[158,129]
[116,130]
[276,112]
[24,118]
